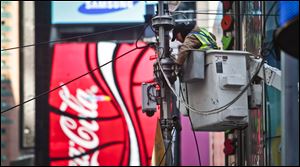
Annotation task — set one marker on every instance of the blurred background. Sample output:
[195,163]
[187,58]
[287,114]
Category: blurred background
[46,43]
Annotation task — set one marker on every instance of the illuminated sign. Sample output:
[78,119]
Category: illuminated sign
[104,7]
[97,120]
[76,12]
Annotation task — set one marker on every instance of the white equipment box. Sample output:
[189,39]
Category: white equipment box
[225,75]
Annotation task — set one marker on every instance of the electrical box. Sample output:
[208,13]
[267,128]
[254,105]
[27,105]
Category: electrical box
[148,98]
[225,77]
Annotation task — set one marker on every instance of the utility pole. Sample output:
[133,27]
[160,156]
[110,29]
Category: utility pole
[163,23]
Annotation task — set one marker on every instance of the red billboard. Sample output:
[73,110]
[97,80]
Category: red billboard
[97,119]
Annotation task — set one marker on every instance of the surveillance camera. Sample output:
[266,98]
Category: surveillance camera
[150,113]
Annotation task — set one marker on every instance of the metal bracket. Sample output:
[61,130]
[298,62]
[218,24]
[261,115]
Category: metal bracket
[166,21]
[167,124]
[168,66]
[170,123]
[273,76]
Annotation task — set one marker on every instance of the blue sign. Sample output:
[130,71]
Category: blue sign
[288,11]
[104,7]
[82,12]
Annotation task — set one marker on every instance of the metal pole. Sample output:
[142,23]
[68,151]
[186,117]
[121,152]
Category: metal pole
[164,23]
[166,112]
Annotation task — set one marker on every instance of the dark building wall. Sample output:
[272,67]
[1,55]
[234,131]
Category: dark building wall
[43,64]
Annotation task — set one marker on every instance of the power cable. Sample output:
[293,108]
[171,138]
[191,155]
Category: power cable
[216,110]
[71,115]
[92,34]
[271,43]
[75,37]
[223,107]
[194,134]
[266,108]
[209,13]
[169,144]
[47,92]
[265,19]
[140,35]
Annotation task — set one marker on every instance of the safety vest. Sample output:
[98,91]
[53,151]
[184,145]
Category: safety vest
[207,41]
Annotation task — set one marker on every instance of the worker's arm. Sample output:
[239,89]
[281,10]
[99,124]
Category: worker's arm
[190,42]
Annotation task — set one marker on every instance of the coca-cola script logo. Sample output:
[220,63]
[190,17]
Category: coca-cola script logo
[85,103]
[97,120]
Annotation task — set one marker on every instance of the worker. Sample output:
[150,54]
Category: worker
[192,37]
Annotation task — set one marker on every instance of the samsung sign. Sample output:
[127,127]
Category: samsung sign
[103,7]
[77,12]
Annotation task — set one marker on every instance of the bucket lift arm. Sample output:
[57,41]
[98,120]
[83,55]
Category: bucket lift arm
[270,75]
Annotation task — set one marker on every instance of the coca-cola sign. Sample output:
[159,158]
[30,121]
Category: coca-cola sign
[97,119]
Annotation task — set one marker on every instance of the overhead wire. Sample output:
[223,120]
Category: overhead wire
[271,43]
[75,37]
[73,116]
[47,92]
[197,111]
[211,111]
[192,126]
[217,110]
[92,34]
[140,35]
[268,135]
[209,13]
[99,147]
[174,129]
[169,144]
